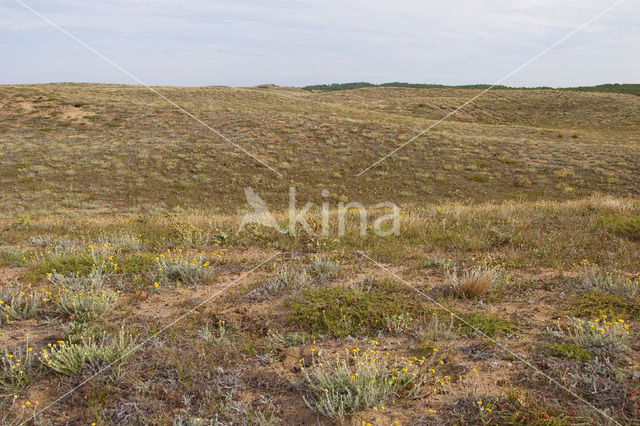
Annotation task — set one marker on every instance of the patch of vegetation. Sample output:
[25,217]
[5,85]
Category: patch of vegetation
[356,381]
[628,89]
[12,256]
[71,358]
[568,351]
[476,282]
[324,267]
[289,277]
[134,263]
[18,302]
[175,267]
[605,386]
[84,297]
[599,336]
[216,336]
[488,324]
[66,263]
[17,370]
[596,304]
[359,85]
[627,225]
[592,278]
[361,310]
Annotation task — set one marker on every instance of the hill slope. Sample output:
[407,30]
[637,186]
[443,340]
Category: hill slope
[89,146]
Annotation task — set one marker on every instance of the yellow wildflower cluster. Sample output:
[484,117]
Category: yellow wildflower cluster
[361,379]
[603,325]
[181,267]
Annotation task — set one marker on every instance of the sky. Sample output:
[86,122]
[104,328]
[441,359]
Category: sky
[296,43]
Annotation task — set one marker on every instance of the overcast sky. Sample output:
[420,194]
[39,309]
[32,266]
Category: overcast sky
[299,42]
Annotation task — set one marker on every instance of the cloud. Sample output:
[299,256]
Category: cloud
[243,42]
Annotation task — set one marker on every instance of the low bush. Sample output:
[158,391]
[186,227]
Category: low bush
[88,352]
[18,304]
[84,297]
[17,370]
[177,268]
[355,381]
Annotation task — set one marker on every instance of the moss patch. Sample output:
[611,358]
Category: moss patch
[359,311]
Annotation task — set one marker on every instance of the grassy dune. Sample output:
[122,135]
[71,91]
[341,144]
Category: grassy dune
[511,294]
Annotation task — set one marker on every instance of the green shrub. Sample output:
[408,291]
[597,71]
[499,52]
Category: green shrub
[360,310]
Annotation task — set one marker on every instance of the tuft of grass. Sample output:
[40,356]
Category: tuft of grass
[355,381]
[435,330]
[71,358]
[487,324]
[84,297]
[474,283]
[356,311]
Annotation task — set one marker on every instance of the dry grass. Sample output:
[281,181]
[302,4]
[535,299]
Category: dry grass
[474,283]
